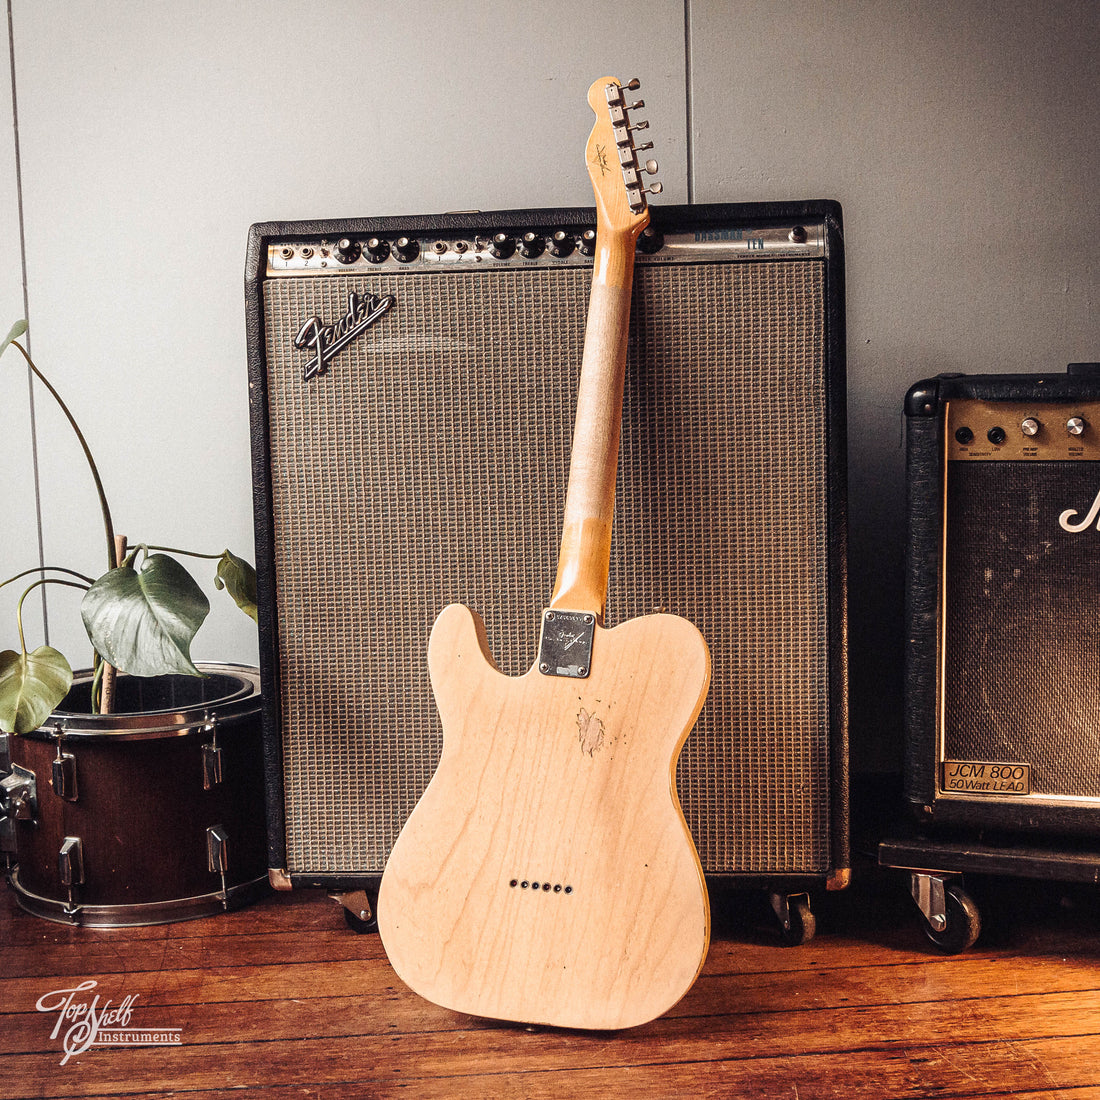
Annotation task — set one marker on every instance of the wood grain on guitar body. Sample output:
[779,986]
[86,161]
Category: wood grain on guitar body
[547,874]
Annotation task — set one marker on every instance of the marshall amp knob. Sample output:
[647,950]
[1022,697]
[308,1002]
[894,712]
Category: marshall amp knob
[1003,587]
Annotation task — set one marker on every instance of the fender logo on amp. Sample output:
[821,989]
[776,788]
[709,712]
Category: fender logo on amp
[327,341]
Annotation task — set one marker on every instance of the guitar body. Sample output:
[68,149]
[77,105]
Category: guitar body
[547,874]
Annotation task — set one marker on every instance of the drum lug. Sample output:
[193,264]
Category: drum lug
[63,778]
[217,856]
[18,802]
[19,794]
[211,758]
[211,766]
[70,869]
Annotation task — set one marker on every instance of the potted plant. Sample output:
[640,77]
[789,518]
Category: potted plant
[136,780]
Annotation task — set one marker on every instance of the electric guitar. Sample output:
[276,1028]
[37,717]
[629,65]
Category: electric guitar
[547,875]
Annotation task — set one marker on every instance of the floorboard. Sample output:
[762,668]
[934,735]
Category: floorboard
[283,1000]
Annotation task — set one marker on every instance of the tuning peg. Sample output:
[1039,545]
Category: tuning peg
[633,84]
[655,189]
[651,166]
[643,147]
[643,125]
[636,106]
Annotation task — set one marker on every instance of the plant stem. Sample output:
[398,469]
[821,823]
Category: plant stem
[48,569]
[108,525]
[104,701]
[37,584]
[186,553]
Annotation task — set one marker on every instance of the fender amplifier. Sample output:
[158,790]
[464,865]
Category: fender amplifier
[412,398]
[1003,583]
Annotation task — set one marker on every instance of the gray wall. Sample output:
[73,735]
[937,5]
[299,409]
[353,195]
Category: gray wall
[961,137]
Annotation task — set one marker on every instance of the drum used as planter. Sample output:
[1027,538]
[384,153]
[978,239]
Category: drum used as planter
[151,814]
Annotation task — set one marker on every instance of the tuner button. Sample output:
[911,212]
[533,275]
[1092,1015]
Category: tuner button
[347,251]
[502,246]
[1075,425]
[406,249]
[1030,426]
[588,242]
[561,244]
[531,245]
[377,250]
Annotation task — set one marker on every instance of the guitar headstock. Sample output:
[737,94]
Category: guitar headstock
[612,155]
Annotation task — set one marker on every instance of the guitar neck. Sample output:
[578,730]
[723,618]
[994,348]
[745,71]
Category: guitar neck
[585,555]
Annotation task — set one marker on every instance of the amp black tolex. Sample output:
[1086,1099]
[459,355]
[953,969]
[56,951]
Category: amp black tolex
[413,385]
[1003,602]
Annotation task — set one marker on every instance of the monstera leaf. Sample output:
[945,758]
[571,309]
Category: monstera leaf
[31,686]
[14,333]
[142,621]
[238,578]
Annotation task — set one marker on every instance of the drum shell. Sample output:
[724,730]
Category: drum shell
[143,801]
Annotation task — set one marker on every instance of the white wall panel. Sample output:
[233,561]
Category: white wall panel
[18,518]
[154,134]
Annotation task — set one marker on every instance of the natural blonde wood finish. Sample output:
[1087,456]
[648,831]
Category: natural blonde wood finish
[547,875]
[547,781]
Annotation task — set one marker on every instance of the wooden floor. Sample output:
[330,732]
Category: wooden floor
[282,1000]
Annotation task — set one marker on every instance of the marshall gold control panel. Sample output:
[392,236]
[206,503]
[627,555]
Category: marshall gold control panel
[991,431]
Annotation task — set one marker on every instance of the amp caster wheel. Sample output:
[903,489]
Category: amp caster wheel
[360,914]
[951,919]
[797,924]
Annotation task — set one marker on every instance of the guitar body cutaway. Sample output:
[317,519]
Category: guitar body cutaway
[547,875]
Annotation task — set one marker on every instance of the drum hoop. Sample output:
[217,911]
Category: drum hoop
[170,721]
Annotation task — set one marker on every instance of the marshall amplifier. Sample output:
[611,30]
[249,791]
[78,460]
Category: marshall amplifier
[1003,587]
[413,384]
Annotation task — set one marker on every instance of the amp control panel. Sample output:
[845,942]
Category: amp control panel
[495,247]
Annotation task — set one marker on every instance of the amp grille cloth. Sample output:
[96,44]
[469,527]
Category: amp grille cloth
[429,466]
[1022,651]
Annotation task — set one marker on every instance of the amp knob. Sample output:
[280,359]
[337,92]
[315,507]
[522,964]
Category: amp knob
[1075,425]
[502,246]
[650,241]
[588,242]
[1030,426]
[377,250]
[531,245]
[561,243]
[347,251]
[406,249]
